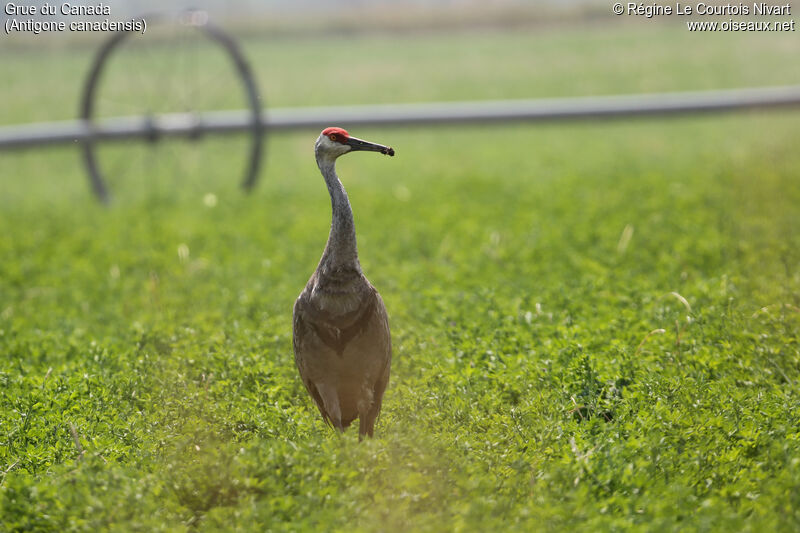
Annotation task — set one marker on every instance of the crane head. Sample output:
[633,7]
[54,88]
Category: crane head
[333,142]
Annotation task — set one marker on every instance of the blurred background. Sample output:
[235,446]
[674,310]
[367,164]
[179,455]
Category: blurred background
[314,53]
[349,53]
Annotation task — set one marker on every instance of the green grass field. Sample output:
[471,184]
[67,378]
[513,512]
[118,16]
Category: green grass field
[596,325]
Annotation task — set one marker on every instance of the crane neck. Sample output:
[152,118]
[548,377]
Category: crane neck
[341,250]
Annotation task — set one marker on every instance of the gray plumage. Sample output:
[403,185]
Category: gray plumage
[342,343]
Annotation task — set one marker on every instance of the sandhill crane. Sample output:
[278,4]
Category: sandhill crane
[342,343]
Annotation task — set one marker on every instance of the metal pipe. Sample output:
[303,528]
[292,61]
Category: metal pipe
[553,109]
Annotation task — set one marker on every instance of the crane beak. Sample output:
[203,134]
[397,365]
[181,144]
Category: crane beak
[357,145]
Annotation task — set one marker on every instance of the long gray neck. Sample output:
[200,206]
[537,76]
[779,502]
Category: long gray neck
[341,250]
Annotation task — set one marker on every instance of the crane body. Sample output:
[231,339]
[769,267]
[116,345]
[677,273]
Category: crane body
[342,342]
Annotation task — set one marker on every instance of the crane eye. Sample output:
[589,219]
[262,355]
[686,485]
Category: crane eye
[332,137]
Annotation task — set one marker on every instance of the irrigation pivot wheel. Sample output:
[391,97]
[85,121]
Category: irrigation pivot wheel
[181,66]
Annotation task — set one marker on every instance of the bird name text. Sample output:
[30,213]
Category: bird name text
[54,17]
